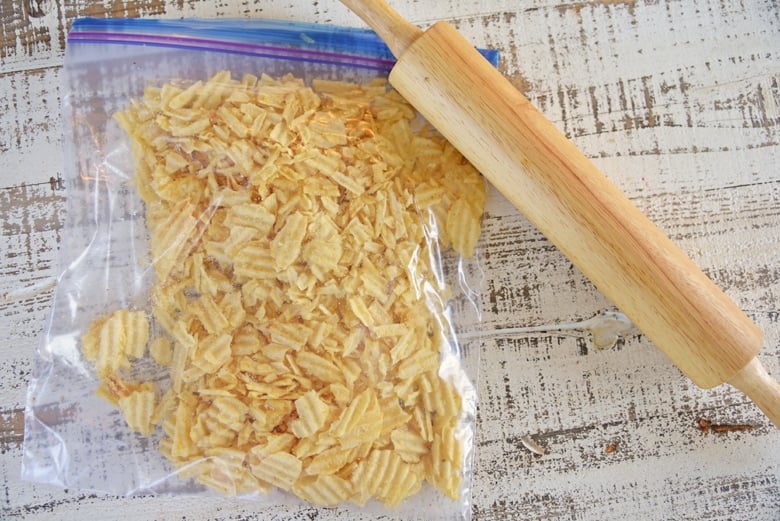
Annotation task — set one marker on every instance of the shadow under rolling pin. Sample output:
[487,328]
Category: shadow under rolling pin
[587,217]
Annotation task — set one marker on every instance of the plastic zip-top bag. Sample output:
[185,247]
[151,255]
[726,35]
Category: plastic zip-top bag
[267,262]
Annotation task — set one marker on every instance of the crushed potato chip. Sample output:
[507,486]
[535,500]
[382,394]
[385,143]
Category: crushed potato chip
[290,230]
[112,341]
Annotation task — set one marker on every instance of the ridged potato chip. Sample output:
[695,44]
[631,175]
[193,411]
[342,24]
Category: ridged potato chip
[312,414]
[138,408]
[113,340]
[324,490]
[280,469]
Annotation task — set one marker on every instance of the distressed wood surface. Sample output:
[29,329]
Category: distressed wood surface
[678,101]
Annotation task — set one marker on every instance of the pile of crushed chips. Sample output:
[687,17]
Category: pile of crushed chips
[294,235]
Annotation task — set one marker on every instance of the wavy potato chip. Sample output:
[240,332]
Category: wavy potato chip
[312,414]
[324,490]
[138,408]
[111,341]
[280,469]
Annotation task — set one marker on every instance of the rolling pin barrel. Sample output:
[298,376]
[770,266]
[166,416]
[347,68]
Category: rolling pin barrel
[564,194]
[586,216]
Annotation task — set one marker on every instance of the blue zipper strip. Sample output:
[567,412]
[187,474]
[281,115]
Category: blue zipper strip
[299,41]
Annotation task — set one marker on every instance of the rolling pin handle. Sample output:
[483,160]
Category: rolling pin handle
[755,382]
[396,31]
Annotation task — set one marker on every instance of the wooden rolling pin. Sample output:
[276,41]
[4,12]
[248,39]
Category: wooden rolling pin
[574,204]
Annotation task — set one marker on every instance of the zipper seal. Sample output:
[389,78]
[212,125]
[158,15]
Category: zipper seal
[296,41]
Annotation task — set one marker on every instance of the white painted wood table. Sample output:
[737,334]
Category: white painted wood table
[678,101]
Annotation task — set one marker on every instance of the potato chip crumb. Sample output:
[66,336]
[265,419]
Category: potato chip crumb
[290,229]
[161,350]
